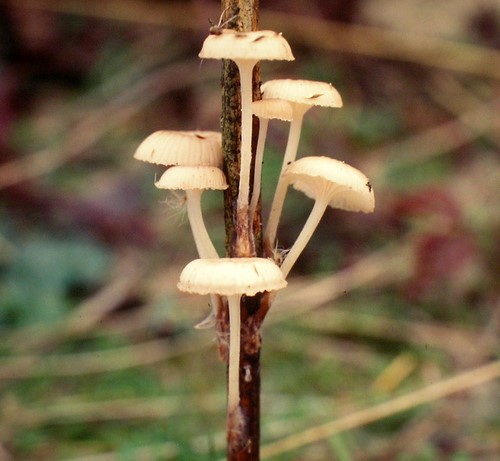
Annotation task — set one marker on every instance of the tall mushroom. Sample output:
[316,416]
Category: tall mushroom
[245,49]
[194,180]
[265,110]
[329,182]
[302,95]
[232,277]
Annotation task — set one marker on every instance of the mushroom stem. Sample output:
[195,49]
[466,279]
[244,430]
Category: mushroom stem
[281,188]
[304,236]
[259,154]
[202,240]
[245,67]
[233,388]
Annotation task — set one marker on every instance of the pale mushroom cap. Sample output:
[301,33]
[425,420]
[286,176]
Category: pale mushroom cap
[273,109]
[307,92]
[231,276]
[255,45]
[192,177]
[181,148]
[344,186]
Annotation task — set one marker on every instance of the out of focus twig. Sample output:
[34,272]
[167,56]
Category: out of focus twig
[320,33]
[77,410]
[101,120]
[443,138]
[439,390]
[457,99]
[381,267]
[387,44]
[101,361]
[86,315]
[165,451]
[466,346]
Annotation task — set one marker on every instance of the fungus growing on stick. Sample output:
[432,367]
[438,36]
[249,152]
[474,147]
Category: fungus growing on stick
[265,110]
[246,49]
[302,95]
[194,180]
[188,148]
[329,182]
[232,277]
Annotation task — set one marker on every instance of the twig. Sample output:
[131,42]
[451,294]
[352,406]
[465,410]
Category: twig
[444,388]
[4,454]
[367,270]
[71,410]
[101,120]
[164,451]
[455,98]
[438,140]
[410,438]
[387,264]
[178,15]
[243,422]
[86,315]
[349,38]
[454,341]
[101,361]
[388,44]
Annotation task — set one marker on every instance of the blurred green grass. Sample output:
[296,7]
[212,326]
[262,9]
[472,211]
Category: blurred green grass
[99,359]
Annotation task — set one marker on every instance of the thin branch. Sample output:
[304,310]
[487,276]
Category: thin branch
[101,119]
[456,342]
[387,44]
[378,268]
[101,361]
[437,140]
[70,410]
[349,38]
[86,315]
[461,382]
[167,450]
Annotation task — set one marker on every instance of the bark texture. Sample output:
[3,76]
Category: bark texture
[243,425]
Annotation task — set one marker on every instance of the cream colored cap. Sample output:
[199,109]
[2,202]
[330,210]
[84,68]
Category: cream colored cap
[192,177]
[302,92]
[273,109]
[254,45]
[231,276]
[181,148]
[344,186]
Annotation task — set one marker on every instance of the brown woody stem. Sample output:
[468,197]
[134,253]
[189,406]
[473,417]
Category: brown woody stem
[242,240]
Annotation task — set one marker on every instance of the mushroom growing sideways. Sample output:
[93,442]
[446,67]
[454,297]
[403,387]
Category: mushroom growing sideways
[246,49]
[194,180]
[232,277]
[190,148]
[302,96]
[329,182]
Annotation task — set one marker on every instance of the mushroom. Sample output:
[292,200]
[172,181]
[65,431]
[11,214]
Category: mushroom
[329,182]
[232,277]
[246,49]
[193,180]
[265,110]
[190,148]
[302,95]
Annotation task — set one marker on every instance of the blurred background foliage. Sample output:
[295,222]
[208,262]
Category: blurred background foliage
[99,359]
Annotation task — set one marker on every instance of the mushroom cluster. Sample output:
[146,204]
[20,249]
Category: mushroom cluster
[193,160]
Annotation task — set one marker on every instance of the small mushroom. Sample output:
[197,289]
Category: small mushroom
[265,110]
[246,49]
[302,95]
[232,277]
[188,148]
[329,182]
[194,180]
